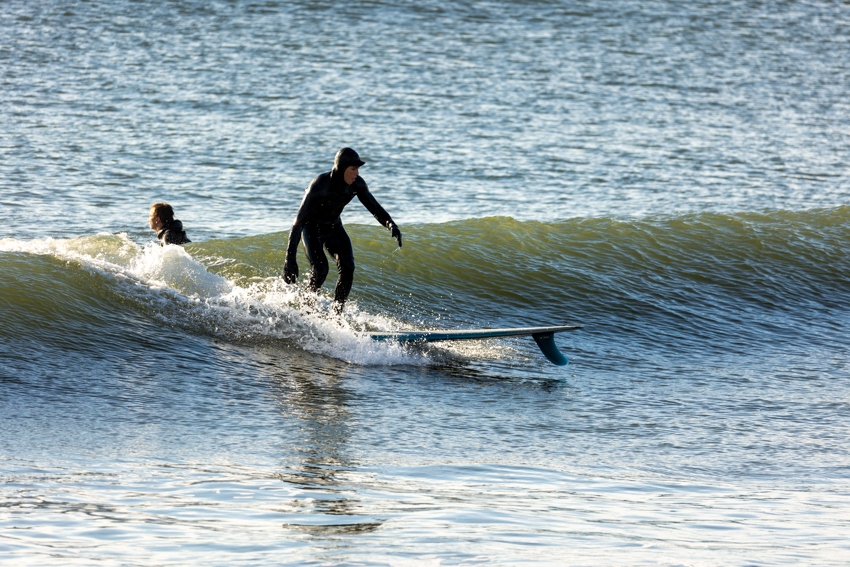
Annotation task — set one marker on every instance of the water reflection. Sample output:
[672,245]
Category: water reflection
[315,396]
[332,530]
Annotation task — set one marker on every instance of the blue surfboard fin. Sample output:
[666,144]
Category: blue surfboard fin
[546,342]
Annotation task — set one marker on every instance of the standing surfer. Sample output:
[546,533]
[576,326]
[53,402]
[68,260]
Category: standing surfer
[318,223]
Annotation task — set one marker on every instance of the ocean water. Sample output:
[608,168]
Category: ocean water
[672,176]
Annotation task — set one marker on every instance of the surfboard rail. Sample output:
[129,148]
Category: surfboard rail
[543,336]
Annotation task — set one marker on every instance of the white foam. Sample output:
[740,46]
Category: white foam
[178,290]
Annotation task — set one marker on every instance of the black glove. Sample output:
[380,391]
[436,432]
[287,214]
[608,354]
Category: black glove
[397,235]
[290,271]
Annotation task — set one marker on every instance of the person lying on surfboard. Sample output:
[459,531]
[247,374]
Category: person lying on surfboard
[318,223]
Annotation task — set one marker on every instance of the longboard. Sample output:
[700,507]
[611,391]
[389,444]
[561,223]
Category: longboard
[543,336]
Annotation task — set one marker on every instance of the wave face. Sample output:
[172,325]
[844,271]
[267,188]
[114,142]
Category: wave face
[91,294]
[669,285]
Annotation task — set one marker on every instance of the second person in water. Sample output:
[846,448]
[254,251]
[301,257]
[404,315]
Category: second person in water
[319,225]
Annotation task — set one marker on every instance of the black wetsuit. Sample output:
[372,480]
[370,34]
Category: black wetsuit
[318,223]
[172,233]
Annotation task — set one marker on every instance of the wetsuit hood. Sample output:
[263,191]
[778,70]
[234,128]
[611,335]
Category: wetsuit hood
[345,158]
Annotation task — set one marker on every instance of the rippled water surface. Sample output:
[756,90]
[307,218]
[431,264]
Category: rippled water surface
[672,176]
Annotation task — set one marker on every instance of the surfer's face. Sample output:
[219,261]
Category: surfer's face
[154,221]
[351,173]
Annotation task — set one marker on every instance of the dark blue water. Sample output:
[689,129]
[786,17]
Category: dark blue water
[670,176]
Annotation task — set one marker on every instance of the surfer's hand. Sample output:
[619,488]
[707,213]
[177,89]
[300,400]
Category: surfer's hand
[397,235]
[290,271]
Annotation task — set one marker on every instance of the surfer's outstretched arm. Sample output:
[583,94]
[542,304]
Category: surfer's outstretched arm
[378,212]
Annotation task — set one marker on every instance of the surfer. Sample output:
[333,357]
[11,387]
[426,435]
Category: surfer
[168,229]
[318,223]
